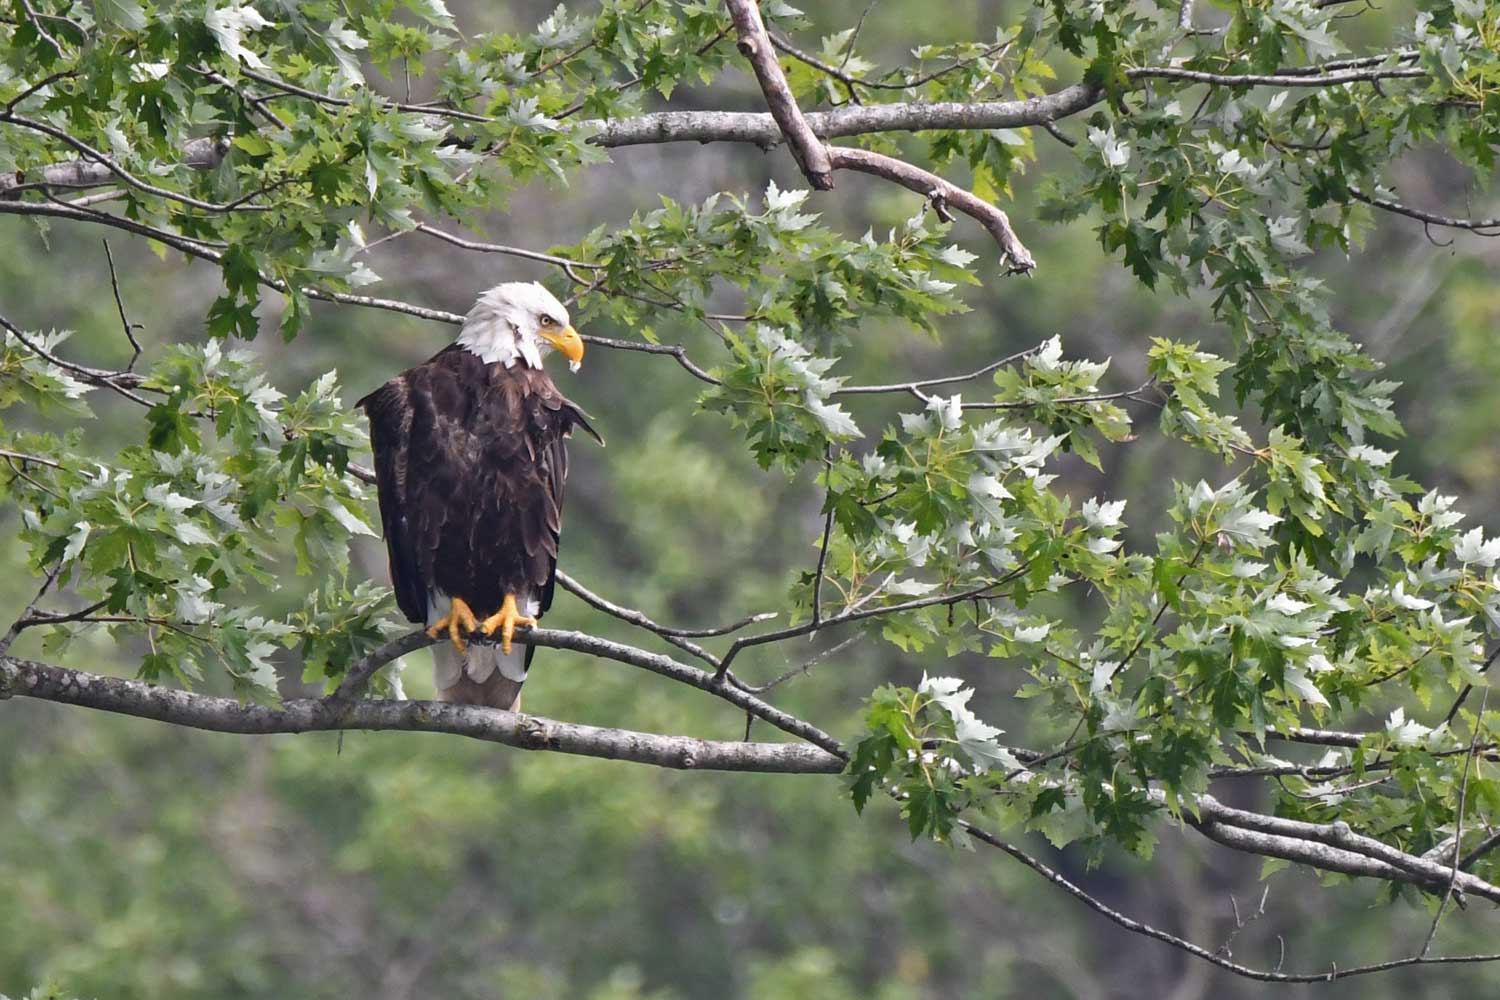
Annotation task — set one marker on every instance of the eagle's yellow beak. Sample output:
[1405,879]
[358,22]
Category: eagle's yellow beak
[568,344]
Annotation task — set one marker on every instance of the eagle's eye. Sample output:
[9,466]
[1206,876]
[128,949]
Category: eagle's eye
[548,320]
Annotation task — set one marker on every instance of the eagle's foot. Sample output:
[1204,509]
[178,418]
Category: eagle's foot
[506,620]
[459,619]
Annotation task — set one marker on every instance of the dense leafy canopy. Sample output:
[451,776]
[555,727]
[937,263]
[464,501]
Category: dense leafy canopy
[1299,584]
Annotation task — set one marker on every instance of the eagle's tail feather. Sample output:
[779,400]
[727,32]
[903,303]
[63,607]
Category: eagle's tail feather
[480,675]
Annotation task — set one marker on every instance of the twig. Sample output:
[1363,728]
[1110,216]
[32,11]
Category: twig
[1146,930]
[805,667]
[19,625]
[1477,226]
[1095,398]
[637,618]
[858,614]
[129,327]
[817,594]
[1014,256]
[755,45]
[857,390]
[1458,826]
[45,81]
[1239,924]
[42,33]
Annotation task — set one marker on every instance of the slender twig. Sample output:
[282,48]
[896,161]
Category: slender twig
[817,594]
[42,33]
[1463,695]
[19,625]
[125,324]
[1095,398]
[635,617]
[44,82]
[1458,826]
[337,102]
[859,614]
[805,667]
[856,390]
[677,351]
[1239,924]
[1481,227]
[480,247]
[851,81]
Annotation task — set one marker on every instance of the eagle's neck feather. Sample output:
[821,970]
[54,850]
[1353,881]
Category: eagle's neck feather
[494,340]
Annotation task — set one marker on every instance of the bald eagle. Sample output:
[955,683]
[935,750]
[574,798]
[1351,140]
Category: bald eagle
[470,462]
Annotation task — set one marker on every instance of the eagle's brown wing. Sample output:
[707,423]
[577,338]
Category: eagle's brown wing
[390,411]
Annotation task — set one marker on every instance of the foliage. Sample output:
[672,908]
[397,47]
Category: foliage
[1302,583]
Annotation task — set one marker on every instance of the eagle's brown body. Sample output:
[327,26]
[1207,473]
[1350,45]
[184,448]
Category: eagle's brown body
[470,461]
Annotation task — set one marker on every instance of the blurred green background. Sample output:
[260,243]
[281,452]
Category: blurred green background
[144,861]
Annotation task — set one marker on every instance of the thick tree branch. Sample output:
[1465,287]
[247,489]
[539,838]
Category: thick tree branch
[1276,79]
[24,678]
[1332,846]
[755,45]
[761,129]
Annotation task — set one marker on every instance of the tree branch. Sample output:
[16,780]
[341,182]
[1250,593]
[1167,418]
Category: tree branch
[755,45]
[1478,226]
[1014,256]
[45,682]
[1155,933]
[761,129]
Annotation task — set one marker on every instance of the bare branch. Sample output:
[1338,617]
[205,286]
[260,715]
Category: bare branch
[625,614]
[858,614]
[200,154]
[1146,930]
[761,129]
[28,679]
[1458,827]
[755,45]
[1331,846]
[917,386]
[1014,256]
[125,324]
[19,625]
[1276,79]
[1483,227]
[1093,398]
[292,90]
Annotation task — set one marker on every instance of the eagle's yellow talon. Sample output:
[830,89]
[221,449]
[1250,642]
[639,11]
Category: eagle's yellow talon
[459,619]
[506,620]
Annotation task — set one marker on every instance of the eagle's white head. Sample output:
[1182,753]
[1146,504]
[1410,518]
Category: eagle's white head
[520,320]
